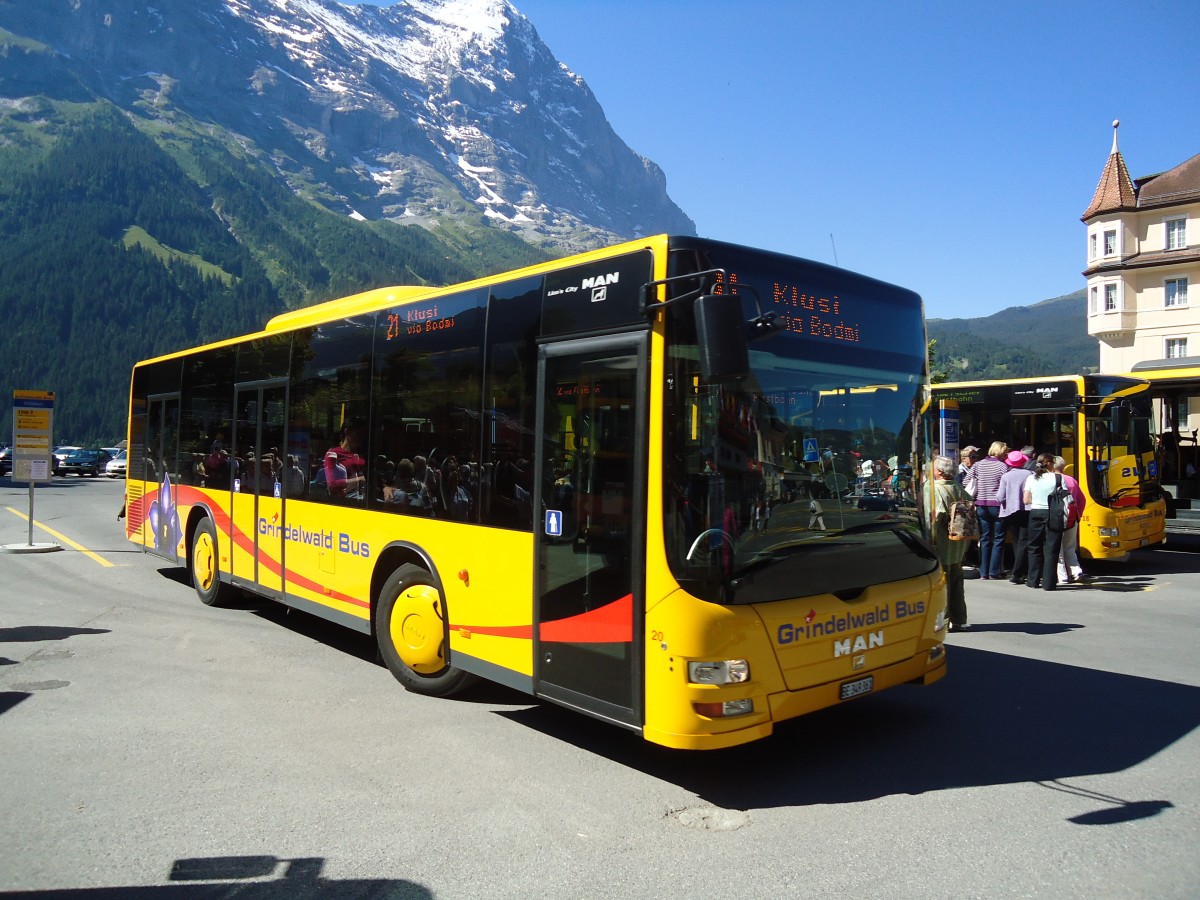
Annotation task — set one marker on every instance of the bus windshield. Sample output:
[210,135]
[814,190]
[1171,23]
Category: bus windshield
[796,480]
[1121,468]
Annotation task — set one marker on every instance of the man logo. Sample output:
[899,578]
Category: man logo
[599,295]
[600,280]
[859,644]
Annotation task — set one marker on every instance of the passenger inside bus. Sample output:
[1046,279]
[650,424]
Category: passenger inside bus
[345,469]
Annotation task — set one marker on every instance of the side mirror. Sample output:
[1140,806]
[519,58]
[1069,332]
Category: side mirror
[721,336]
[1119,420]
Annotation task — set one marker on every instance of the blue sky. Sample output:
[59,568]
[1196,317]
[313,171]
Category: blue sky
[946,147]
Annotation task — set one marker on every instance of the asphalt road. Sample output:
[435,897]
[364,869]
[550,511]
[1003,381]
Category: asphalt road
[154,747]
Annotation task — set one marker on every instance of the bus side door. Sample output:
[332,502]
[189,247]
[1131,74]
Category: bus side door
[589,526]
[259,439]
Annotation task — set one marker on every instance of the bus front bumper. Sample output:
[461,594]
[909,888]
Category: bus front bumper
[784,705]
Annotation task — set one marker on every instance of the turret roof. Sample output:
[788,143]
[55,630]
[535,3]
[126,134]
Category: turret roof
[1115,191]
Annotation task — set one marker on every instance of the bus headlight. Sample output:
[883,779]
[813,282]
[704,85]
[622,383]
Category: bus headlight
[1109,532]
[727,671]
[939,621]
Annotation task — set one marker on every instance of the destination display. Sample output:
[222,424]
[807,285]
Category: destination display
[860,313]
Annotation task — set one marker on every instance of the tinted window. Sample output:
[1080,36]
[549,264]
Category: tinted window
[148,380]
[425,422]
[330,382]
[207,412]
[510,408]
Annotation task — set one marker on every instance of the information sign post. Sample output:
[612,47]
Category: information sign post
[948,428]
[33,452]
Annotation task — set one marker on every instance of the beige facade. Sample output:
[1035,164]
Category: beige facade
[1143,270]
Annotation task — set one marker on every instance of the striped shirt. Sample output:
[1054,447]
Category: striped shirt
[987,474]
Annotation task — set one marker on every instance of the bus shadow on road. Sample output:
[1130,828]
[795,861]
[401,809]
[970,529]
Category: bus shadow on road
[247,878]
[997,719]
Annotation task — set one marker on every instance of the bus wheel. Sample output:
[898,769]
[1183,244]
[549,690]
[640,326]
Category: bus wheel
[206,572]
[412,635]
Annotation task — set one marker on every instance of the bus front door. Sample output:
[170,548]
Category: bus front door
[259,436]
[589,528]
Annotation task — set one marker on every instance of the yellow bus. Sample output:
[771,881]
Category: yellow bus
[1175,389]
[1101,426]
[547,478]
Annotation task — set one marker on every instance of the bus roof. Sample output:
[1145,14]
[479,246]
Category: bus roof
[1173,374]
[382,298]
[1128,380]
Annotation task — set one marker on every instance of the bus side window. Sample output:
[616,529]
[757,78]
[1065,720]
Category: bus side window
[330,383]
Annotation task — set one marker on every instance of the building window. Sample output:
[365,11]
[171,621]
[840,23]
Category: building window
[1175,348]
[1093,241]
[1110,297]
[1094,301]
[1110,242]
[1177,233]
[1176,292]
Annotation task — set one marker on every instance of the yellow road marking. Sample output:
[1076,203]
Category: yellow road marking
[62,537]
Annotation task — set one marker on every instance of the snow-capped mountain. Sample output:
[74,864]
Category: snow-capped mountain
[413,112]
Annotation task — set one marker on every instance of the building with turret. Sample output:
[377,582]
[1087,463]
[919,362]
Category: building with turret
[1143,260]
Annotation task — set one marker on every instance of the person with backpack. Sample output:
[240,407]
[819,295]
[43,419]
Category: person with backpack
[950,552]
[1047,498]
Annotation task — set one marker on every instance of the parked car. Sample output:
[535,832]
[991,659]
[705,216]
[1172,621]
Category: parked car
[60,457]
[5,460]
[116,465]
[85,462]
[877,500]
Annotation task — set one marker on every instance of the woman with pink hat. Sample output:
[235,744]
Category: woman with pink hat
[1013,513]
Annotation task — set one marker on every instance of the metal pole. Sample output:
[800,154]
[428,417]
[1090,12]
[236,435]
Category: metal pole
[30,541]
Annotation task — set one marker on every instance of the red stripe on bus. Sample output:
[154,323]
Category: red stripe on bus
[609,624]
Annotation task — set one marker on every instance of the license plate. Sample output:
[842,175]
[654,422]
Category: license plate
[857,688]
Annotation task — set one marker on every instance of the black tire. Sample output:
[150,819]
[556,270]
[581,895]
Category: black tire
[410,629]
[205,566]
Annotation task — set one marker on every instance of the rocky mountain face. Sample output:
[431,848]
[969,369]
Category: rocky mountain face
[417,112]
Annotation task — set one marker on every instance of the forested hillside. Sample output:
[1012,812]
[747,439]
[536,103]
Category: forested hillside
[114,250]
[117,247]
[1047,338]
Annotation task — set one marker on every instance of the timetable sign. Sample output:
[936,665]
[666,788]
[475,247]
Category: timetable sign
[33,428]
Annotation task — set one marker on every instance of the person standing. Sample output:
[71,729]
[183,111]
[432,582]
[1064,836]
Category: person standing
[968,456]
[946,491]
[1014,514]
[1069,570]
[983,483]
[1044,542]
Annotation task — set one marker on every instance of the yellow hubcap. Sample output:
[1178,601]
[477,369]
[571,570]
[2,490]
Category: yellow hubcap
[416,629]
[205,562]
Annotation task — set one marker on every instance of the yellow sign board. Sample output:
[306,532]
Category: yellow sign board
[33,429]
